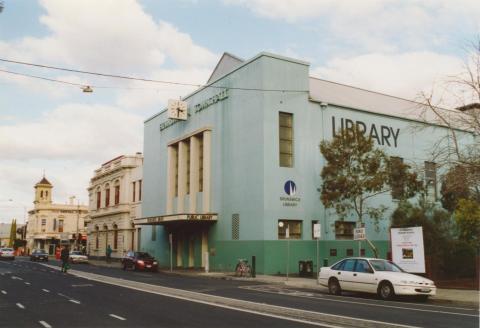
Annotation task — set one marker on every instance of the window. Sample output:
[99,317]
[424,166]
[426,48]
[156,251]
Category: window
[285,121]
[431,180]
[363,266]
[139,190]
[333,252]
[41,194]
[344,229]
[60,225]
[235,226]
[107,196]
[115,237]
[200,163]
[350,252]
[362,252]
[176,170]
[349,265]
[44,222]
[154,233]
[313,224]
[187,150]
[133,188]
[54,224]
[117,195]
[96,238]
[99,199]
[46,193]
[294,227]
[339,265]
[398,185]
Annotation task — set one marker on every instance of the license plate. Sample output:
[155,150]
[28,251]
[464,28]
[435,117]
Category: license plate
[149,266]
[425,290]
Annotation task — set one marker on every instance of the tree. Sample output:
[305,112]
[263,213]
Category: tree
[467,217]
[455,104]
[13,232]
[356,172]
[458,183]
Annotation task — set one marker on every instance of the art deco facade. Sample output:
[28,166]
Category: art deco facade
[115,195]
[50,225]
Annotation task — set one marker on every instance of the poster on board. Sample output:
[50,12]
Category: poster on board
[407,249]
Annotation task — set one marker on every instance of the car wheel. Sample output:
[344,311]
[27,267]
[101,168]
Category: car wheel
[334,287]
[385,291]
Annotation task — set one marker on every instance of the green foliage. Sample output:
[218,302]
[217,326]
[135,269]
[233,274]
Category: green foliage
[356,171]
[467,217]
[461,181]
[13,233]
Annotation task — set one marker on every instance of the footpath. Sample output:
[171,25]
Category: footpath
[445,296]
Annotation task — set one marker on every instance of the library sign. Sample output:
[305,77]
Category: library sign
[290,189]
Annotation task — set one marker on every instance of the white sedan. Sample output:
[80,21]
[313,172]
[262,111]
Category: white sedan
[378,276]
[78,257]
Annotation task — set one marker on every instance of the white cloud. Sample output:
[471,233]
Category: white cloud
[403,75]
[84,132]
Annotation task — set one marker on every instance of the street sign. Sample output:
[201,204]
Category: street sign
[359,234]
[317,230]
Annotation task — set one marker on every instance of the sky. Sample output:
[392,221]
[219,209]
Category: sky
[398,47]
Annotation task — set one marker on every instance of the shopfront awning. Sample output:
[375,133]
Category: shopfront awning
[177,218]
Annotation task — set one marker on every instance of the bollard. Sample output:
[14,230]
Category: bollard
[325,262]
[253,266]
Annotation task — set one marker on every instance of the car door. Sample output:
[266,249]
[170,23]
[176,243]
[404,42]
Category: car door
[364,277]
[345,275]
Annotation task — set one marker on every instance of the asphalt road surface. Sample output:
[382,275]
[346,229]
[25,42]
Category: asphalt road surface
[35,295]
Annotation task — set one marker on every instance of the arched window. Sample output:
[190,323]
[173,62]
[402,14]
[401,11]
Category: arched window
[41,194]
[99,198]
[96,237]
[117,192]
[107,195]
[46,194]
[115,236]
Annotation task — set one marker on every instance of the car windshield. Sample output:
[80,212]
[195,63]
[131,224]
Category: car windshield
[382,265]
[7,249]
[40,251]
[76,253]
[143,255]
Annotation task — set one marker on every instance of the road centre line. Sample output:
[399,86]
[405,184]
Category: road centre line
[27,283]
[4,292]
[46,290]
[43,323]
[17,278]
[75,301]
[379,305]
[117,317]
[20,305]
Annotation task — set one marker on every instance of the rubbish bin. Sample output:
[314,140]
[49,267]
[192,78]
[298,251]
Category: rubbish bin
[305,268]
[301,268]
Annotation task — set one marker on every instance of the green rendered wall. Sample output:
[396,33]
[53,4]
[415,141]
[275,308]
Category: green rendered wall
[271,255]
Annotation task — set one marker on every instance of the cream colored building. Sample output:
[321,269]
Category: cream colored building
[115,195]
[50,225]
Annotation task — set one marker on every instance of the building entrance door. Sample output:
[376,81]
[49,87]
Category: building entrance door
[51,249]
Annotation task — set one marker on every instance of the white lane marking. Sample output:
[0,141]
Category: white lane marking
[346,300]
[83,285]
[43,323]
[46,290]
[117,317]
[4,292]
[17,278]
[20,305]
[27,283]
[75,301]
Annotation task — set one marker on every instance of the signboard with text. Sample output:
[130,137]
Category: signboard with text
[407,249]
[359,234]
[317,230]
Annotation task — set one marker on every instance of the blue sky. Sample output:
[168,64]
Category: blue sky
[395,47]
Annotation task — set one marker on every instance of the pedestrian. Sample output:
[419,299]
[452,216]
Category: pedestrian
[64,256]
[108,253]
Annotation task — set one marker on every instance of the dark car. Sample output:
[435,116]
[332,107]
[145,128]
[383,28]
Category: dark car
[139,261]
[39,255]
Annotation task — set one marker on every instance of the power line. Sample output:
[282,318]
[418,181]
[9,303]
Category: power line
[124,77]
[43,78]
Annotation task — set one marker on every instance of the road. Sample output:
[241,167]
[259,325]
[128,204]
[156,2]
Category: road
[35,295]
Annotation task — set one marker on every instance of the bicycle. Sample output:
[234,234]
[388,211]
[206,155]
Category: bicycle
[243,269]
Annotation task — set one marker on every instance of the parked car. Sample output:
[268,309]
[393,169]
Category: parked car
[39,255]
[139,261]
[369,275]
[77,257]
[7,253]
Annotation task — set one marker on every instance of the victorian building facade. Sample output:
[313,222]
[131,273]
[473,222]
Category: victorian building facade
[115,195]
[51,225]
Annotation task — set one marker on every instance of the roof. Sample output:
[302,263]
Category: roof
[226,64]
[44,181]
